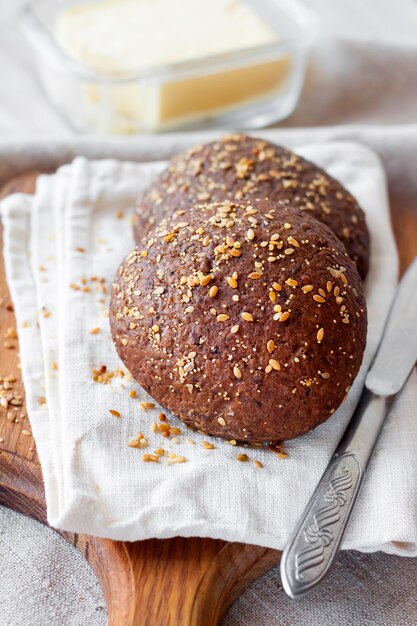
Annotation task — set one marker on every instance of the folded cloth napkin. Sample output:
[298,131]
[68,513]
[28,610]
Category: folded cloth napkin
[62,248]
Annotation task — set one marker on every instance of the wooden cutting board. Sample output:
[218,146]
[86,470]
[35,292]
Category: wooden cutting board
[172,582]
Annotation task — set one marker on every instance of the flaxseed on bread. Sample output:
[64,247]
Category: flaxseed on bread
[239,167]
[246,320]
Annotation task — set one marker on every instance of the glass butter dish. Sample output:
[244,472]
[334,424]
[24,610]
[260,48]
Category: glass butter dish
[140,66]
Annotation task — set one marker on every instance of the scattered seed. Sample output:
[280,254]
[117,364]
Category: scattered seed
[231,282]
[147,405]
[94,331]
[208,446]
[114,412]
[250,234]
[258,464]
[318,298]
[213,291]
[284,316]
[270,346]
[221,421]
[255,275]
[320,335]
[234,329]
[242,457]
[223,317]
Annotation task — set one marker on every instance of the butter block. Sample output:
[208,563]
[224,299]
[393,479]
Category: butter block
[137,50]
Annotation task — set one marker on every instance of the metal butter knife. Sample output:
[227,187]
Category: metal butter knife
[316,541]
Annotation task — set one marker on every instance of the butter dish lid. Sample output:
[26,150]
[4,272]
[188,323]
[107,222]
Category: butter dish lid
[293,28]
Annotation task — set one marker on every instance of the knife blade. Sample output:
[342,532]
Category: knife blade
[315,543]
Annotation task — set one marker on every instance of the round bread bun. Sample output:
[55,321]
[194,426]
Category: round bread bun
[240,167]
[247,321]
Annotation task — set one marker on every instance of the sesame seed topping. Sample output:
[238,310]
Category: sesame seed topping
[307,288]
[293,242]
[255,275]
[205,280]
[232,282]
[248,317]
[250,234]
[237,372]
[291,282]
[320,335]
[270,346]
[284,316]
[272,296]
[235,252]
[223,317]
[287,226]
[318,298]
[221,421]
[277,286]
[234,329]
[213,291]
[274,364]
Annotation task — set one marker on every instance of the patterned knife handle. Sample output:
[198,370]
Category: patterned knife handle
[315,544]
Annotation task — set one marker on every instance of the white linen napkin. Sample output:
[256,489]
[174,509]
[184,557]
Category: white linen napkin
[62,248]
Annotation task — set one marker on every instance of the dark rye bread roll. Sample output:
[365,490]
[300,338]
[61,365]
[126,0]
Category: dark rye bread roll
[240,167]
[247,321]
